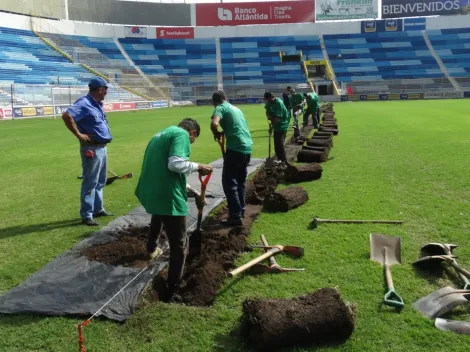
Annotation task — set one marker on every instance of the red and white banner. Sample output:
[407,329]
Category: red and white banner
[5,113]
[236,14]
[175,32]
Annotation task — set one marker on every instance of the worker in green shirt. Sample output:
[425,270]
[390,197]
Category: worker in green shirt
[162,190]
[237,155]
[313,106]
[297,103]
[277,114]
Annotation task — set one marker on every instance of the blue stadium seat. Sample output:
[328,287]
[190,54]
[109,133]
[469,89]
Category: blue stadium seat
[381,56]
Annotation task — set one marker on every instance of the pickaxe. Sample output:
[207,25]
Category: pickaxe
[271,250]
[273,267]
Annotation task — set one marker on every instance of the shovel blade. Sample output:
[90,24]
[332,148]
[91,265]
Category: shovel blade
[459,327]
[438,249]
[129,175]
[440,302]
[269,164]
[377,244]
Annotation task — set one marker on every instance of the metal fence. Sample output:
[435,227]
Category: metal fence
[32,95]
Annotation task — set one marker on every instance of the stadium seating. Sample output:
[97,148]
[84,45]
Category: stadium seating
[453,47]
[256,61]
[24,58]
[381,56]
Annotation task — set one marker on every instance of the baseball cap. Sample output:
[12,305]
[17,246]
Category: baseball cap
[97,82]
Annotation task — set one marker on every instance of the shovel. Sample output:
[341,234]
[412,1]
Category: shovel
[269,161]
[387,251]
[459,327]
[441,301]
[196,236]
[433,259]
[271,250]
[221,142]
[273,267]
[444,249]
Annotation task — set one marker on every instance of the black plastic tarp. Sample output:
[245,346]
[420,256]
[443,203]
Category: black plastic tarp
[71,285]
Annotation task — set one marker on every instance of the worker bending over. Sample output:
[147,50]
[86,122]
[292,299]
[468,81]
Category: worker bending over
[279,119]
[313,107]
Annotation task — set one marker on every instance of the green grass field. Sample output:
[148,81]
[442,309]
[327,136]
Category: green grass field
[396,160]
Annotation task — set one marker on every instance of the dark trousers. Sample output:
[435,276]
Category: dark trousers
[175,228]
[279,141]
[234,176]
[314,114]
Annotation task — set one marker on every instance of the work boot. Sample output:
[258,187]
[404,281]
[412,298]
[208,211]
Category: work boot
[232,222]
[90,222]
[102,213]
[156,253]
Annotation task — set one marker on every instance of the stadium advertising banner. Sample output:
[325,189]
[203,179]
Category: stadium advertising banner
[373,97]
[346,9]
[411,8]
[465,94]
[175,33]
[237,14]
[315,62]
[414,24]
[135,32]
[443,95]
[382,26]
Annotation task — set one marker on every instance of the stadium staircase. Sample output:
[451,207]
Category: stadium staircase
[441,64]
[91,59]
[329,67]
[453,48]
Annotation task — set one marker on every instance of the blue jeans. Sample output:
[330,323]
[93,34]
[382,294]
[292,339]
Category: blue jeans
[94,179]
[234,176]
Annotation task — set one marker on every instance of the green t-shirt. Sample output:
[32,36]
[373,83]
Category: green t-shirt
[278,109]
[313,101]
[235,128]
[161,191]
[297,99]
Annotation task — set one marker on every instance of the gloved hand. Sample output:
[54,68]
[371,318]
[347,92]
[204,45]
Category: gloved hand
[218,135]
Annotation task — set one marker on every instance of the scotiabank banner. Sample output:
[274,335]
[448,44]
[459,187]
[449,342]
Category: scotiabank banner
[175,32]
[414,8]
[237,14]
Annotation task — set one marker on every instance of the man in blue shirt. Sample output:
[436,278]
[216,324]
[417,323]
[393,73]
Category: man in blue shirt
[87,121]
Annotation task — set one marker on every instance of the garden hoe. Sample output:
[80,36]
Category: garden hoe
[116,176]
[273,267]
[271,250]
[317,221]
[387,251]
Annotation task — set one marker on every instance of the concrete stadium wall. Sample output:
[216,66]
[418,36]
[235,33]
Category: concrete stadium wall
[124,12]
[44,8]
[118,31]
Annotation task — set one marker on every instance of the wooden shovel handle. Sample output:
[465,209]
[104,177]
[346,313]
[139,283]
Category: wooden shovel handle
[272,260]
[255,261]
[459,268]
[387,272]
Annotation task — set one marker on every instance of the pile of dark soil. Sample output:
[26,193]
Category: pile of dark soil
[286,199]
[320,149]
[329,125]
[303,173]
[129,249]
[319,318]
[206,267]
